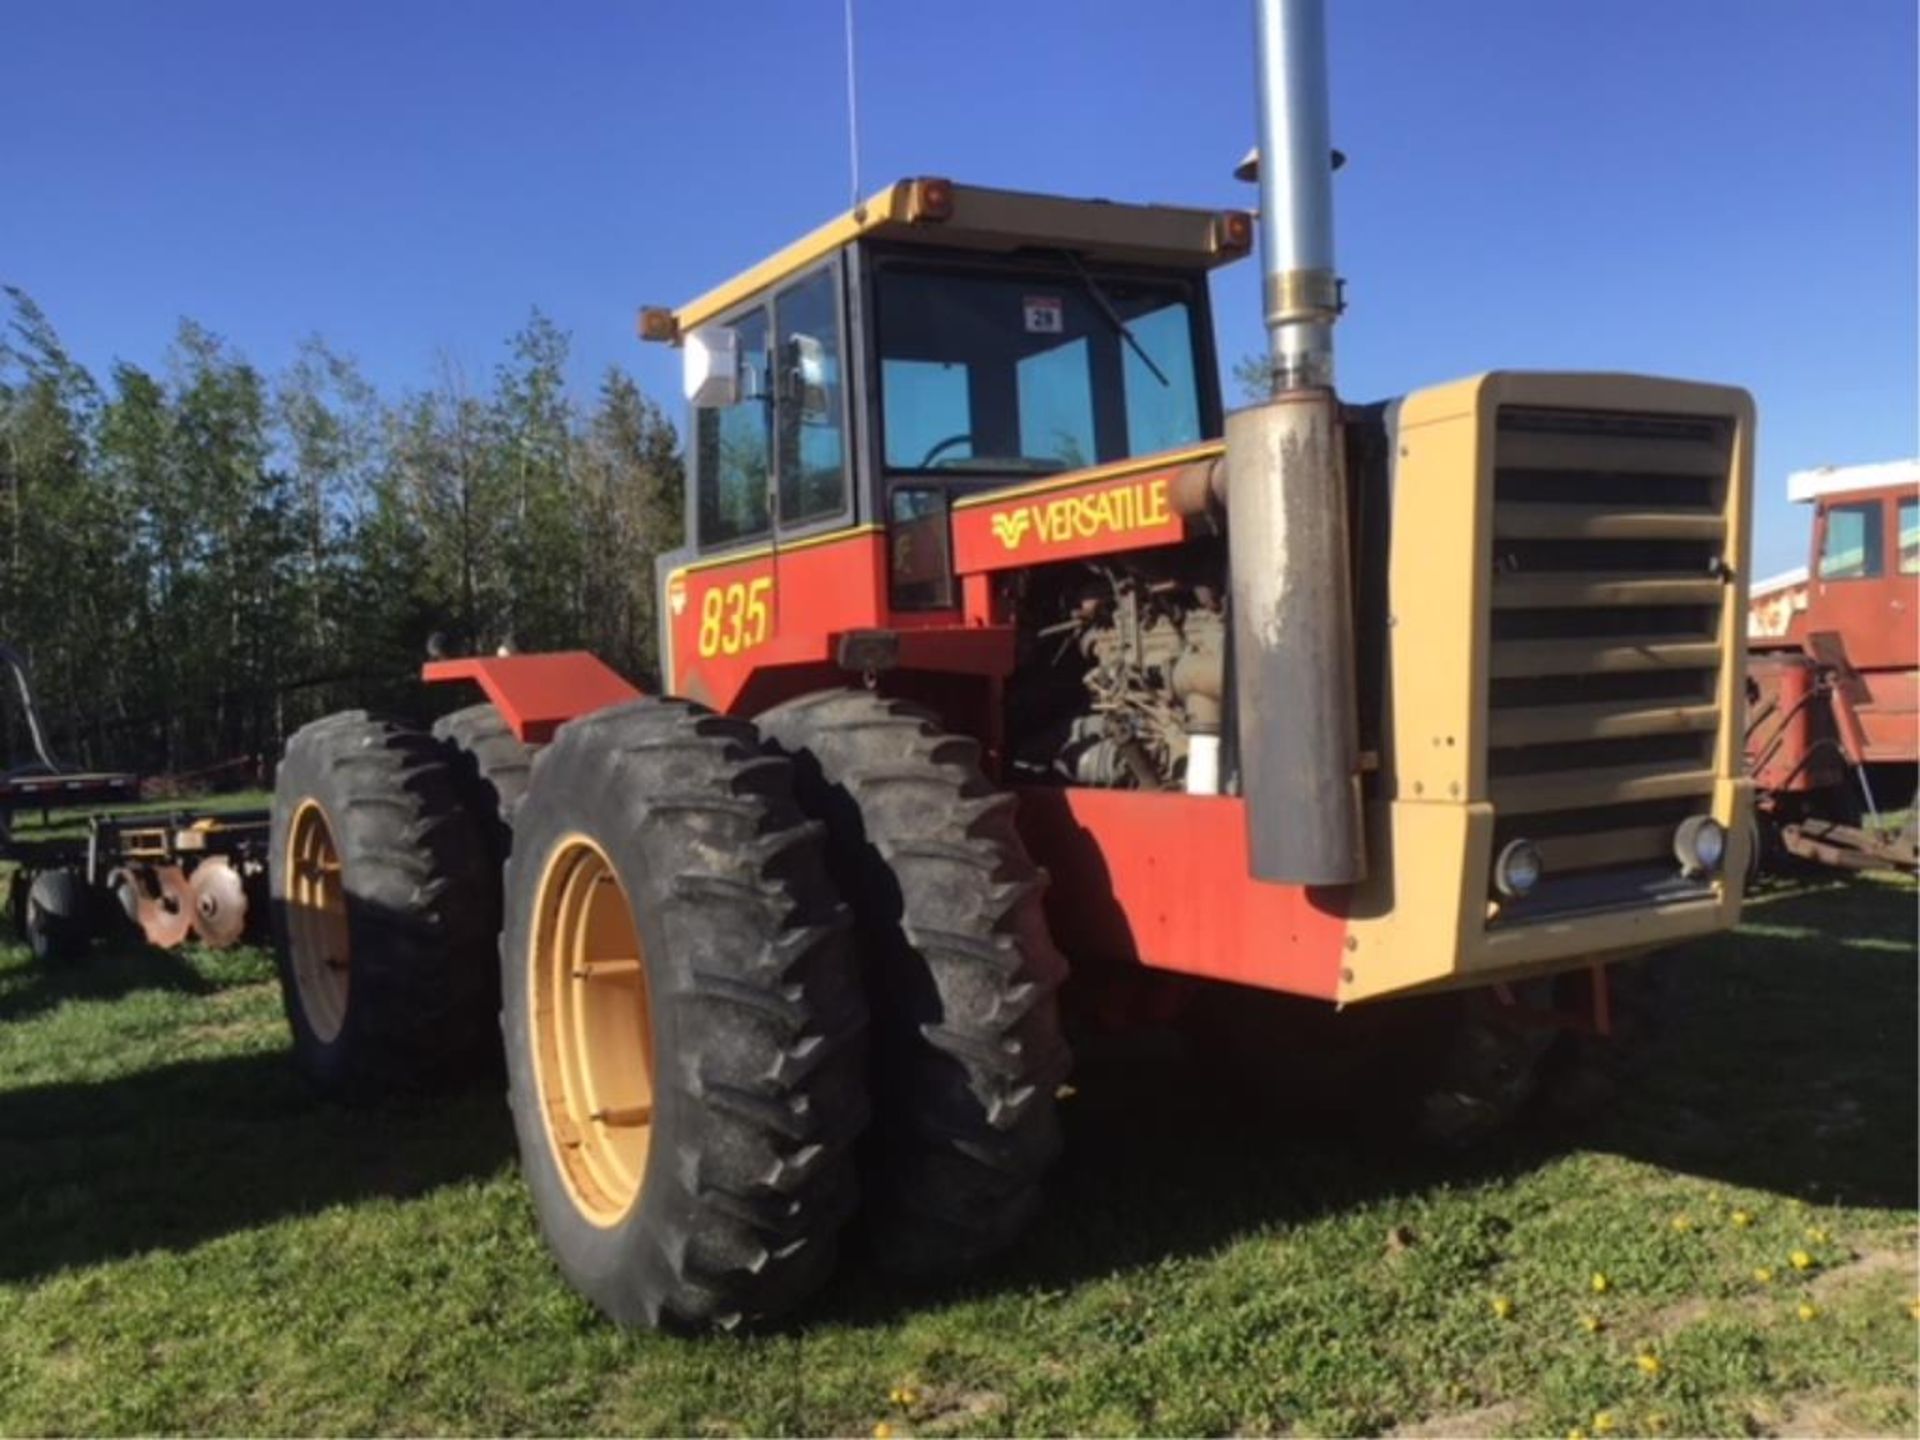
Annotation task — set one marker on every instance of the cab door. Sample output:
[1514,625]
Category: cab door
[1863,585]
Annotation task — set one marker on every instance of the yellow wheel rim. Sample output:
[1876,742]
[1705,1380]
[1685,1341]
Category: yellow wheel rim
[592,1030]
[317,920]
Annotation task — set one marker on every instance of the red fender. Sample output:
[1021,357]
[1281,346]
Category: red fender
[537,694]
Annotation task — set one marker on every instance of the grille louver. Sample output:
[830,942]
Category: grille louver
[1607,544]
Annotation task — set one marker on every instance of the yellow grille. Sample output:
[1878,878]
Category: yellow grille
[1608,552]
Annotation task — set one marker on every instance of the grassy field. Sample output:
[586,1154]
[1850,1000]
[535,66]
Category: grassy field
[189,1243]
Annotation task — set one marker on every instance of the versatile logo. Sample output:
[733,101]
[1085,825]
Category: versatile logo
[1141,505]
[1010,526]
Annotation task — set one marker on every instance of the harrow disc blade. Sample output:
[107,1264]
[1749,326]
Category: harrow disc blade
[127,888]
[166,913]
[219,904]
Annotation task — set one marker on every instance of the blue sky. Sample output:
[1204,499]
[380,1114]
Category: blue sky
[1721,189]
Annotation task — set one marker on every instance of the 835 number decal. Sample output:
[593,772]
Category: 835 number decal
[735,617]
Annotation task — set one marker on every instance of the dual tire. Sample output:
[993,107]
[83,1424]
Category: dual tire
[379,880]
[960,966]
[686,1010]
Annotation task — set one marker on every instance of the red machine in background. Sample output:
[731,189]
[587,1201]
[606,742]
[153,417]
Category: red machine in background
[1833,729]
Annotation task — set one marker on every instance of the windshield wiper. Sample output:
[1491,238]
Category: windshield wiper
[1113,318]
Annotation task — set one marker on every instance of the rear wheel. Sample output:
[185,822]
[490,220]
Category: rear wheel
[492,766]
[683,1017]
[375,870]
[962,972]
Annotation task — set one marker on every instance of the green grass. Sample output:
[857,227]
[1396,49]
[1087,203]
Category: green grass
[188,1243]
[36,825]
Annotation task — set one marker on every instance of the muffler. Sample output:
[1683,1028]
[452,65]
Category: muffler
[1288,544]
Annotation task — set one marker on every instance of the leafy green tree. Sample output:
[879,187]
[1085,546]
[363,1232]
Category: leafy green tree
[331,432]
[196,559]
[632,482]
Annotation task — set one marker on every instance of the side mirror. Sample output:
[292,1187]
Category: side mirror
[711,367]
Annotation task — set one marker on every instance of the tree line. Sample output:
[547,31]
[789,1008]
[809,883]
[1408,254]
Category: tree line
[197,559]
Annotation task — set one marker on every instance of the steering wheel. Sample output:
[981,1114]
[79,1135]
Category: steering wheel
[965,437]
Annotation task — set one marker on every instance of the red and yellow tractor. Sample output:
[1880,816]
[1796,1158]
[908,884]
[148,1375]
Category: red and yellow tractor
[1000,651]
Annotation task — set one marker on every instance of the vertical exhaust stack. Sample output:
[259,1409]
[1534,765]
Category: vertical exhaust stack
[1292,637]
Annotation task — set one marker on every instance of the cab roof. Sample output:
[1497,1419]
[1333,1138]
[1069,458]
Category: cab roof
[1806,485]
[931,211]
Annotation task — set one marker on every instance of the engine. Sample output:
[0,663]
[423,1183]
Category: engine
[1121,669]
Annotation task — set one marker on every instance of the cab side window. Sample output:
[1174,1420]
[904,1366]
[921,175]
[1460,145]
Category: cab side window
[813,456]
[1854,542]
[1910,537]
[735,446]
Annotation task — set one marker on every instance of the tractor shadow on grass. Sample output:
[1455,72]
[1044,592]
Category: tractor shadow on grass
[170,1157]
[108,972]
[1786,1061]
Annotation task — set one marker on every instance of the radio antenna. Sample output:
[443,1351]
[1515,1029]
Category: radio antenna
[853,113]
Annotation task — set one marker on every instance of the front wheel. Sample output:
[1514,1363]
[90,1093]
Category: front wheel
[684,1025]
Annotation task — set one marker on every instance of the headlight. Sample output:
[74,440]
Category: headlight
[1700,845]
[1516,870]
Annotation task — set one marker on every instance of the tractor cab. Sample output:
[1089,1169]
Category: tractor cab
[939,341]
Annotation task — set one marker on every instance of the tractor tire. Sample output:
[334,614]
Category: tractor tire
[492,766]
[1589,1073]
[1484,1071]
[375,879]
[685,1028]
[59,915]
[1495,1070]
[961,970]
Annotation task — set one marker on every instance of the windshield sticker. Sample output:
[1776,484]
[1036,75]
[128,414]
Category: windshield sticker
[1045,315]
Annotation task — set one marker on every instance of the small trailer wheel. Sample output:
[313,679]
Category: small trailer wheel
[59,918]
[18,883]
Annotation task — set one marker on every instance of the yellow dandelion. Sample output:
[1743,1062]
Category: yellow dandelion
[1648,1362]
[1600,1283]
[902,1395]
[1763,1273]
[1576,1434]
[883,1431]
[1816,1235]
[1502,1308]
[1807,1310]
[1655,1424]
[1682,1223]
[1603,1422]
[1592,1324]
[1801,1260]
[1741,1219]
[1914,1309]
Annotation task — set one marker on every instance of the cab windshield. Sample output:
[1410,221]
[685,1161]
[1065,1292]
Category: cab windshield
[1038,372]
